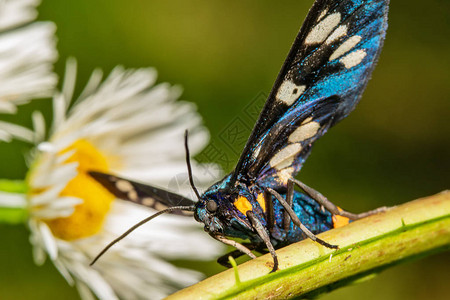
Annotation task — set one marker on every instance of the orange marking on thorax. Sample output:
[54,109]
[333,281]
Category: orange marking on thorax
[262,201]
[340,221]
[243,205]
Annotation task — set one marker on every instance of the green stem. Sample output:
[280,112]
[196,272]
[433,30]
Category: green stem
[409,231]
[13,186]
[12,212]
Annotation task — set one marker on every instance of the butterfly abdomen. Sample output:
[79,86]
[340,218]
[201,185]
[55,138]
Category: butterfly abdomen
[310,214]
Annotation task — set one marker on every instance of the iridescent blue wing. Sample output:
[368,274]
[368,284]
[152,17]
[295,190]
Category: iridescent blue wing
[142,194]
[319,84]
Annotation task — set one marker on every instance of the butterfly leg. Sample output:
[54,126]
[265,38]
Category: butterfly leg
[258,226]
[234,244]
[290,201]
[328,205]
[297,221]
[270,212]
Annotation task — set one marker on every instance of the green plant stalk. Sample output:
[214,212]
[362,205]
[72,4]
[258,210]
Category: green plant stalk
[13,215]
[409,231]
[13,186]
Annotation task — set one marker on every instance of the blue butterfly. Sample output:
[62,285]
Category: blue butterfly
[319,84]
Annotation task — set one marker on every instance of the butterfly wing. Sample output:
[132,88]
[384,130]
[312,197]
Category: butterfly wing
[143,194]
[319,84]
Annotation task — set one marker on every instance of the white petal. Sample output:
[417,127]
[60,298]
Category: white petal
[69,80]
[64,272]
[7,107]
[16,131]
[39,126]
[26,58]
[63,203]
[48,240]
[59,175]
[84,291]
[16,12]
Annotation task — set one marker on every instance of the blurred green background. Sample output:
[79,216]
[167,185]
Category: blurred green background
[393,148]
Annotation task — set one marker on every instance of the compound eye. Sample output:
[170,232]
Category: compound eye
[211,206]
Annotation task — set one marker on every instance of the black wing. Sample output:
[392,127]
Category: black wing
[143,194]
[319,84]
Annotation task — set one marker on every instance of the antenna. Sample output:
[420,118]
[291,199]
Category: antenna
[188,162]
[187,208]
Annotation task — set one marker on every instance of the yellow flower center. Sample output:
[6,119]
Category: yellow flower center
[88,216]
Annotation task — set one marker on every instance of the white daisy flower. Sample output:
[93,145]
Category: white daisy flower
[27,54]
[130,127]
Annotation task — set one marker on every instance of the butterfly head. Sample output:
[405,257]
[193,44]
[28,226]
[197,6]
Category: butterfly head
[213,210]
[217,211]
[208,212]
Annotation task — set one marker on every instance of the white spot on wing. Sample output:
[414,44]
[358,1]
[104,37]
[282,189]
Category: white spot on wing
[307,120]
[320,32]
[345,47]
[148,201]
[285,157]
[289,92]
[124,186]
[284,175]
[337,33]
[322,14]
[304,132]
[132,195]
[353,59]
[159,206]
